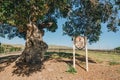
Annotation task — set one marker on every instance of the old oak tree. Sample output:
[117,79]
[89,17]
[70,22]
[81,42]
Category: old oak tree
[28,18]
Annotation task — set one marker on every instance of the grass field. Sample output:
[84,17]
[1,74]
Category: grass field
[110,58]
[58,66]
[100,57]
[97,56]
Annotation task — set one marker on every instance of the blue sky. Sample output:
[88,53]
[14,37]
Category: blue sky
[108,40]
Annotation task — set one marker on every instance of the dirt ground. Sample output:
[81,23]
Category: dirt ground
[55,69]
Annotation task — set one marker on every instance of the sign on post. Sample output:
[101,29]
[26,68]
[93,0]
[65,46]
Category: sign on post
[80,42]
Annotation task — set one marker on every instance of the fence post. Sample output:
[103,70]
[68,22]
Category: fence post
[73,52]
[73,55]
[0,47]
[86,52]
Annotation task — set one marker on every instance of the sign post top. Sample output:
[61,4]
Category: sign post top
[80,42]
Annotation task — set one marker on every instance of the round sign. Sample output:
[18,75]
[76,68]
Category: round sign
[80,42]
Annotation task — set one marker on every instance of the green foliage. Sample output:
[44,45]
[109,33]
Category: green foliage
[19,13]
[87,15]
[9,48]
[12,49]
[117,48]
[2,49]
[84,17]
[71,69]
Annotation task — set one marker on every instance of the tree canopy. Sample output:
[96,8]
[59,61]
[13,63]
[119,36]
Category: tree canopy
[16,14]
[86,16]
[117,48]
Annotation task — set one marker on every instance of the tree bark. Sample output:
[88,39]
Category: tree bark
[35,47]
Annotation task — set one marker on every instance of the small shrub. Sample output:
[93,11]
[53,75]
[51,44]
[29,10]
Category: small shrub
[71,69]
[54,56]
[118,48]
[19,49]
[2,49]
[12,49]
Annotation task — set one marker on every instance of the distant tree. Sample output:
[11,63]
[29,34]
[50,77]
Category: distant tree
[117,48]
[86,16]
[27,19]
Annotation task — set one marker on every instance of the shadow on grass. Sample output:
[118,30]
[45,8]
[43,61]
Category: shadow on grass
[60,54]
[68,55]
[80,59]
[23,69]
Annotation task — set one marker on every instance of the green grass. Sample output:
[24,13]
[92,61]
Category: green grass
[110,57]
[4,48]
[71,69]
[60,54]
[114,63]
[99,57]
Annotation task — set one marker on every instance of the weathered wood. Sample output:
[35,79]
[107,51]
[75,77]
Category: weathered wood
[74,52]
[86,53]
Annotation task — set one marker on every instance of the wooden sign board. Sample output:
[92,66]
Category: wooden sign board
[80,42]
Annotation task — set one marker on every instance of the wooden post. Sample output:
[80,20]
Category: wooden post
[86,53]
[73,54]
[0,48]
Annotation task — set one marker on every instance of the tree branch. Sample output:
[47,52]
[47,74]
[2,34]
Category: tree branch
[45,25]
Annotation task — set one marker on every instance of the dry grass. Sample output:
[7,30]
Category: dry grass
[101,57]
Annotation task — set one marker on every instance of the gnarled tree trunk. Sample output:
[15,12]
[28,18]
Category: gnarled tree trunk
[34,47]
